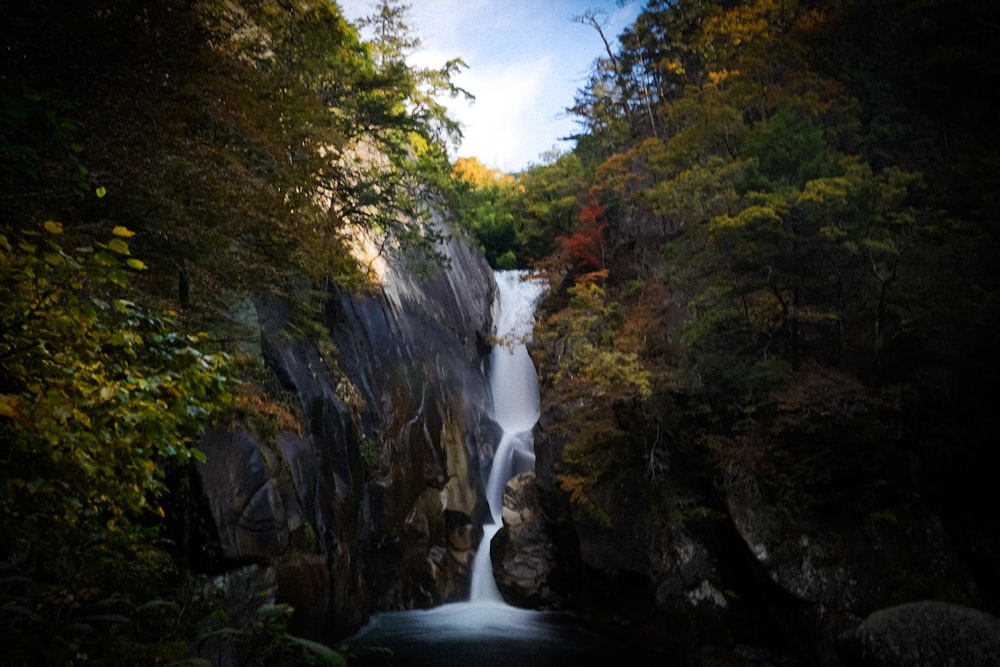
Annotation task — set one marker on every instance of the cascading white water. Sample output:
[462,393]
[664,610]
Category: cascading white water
[514,384]
[485,630]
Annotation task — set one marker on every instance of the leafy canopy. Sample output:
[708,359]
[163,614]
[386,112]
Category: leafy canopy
[98,393]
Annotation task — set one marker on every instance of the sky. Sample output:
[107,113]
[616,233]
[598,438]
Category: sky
[526,60]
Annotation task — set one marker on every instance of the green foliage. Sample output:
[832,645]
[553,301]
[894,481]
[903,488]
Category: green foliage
[98,392]
[99,396]
[585,336]
[632,288]
[48,624]
[787,150]
[802,194]
[255,634]
[38,135]
[516,220]
[480,199]
[592,371]
[267,633]
[278,142]
[722,360]
[370,457]
[550,198]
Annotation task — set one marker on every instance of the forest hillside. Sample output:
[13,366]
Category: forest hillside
[773,258]
[768,341]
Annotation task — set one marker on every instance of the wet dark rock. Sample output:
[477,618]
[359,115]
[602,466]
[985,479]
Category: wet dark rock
[523,552]
[437,550]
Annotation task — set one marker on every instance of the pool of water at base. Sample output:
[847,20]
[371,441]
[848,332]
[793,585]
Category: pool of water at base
[486,634]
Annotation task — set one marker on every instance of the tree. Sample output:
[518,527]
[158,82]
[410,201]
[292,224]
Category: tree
[583,250]
[478,197]
[592,18]
[548,203]
[393,41]
[98,393]
[98,398]
[394,38]
[589,365]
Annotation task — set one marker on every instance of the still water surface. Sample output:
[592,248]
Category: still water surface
[486,634]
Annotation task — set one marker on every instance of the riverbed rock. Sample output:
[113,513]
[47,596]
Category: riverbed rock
[927,634]
[523,552]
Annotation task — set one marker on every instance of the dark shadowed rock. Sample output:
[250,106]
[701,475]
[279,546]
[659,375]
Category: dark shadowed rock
[523,552]
[246,507]
[897,554]
[303,581]
[928,633]
[370,502]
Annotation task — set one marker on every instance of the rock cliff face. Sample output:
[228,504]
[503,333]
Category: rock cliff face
[712,571]
[374,500]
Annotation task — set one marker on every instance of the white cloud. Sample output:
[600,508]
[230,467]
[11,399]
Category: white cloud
[508,118]
[526,60]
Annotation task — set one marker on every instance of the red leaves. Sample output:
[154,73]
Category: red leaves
[584,248]
[592,212]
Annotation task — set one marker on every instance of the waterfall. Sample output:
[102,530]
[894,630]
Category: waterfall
[485,630]
[514,385]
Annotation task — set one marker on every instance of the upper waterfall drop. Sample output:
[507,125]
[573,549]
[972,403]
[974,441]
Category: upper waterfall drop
[513,380]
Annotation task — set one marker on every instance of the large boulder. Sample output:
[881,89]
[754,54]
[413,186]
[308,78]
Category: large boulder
[898,553]
[928,633]
[524,558]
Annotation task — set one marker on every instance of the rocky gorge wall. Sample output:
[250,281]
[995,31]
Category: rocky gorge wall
[712,572]
[372,498]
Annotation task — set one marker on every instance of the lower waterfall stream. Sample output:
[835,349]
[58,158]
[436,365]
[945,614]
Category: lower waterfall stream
[485,630]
